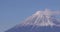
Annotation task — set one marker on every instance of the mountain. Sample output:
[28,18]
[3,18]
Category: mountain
[38,22]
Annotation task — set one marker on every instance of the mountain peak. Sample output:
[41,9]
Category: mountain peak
[41,21]
[38,13]
[41,18]
[47,13]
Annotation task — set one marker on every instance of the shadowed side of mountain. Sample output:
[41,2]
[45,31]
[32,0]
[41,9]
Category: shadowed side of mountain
[31,28]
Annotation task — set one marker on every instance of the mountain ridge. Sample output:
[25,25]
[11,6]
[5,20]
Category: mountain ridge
[38,22]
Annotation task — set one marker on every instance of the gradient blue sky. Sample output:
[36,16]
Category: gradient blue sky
[12,12]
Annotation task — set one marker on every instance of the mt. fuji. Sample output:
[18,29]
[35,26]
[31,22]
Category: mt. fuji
[41,21]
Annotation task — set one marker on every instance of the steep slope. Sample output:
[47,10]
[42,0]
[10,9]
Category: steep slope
[38,22]
[41,19]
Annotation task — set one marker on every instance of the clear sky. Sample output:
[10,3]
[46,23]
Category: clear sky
[12,12]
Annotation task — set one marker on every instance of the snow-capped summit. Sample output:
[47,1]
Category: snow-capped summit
[41,18]
[41,21]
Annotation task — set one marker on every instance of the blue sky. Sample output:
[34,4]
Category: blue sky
[12,12]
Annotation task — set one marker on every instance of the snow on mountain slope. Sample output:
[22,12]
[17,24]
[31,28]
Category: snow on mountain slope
[41,21]
[41,18]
